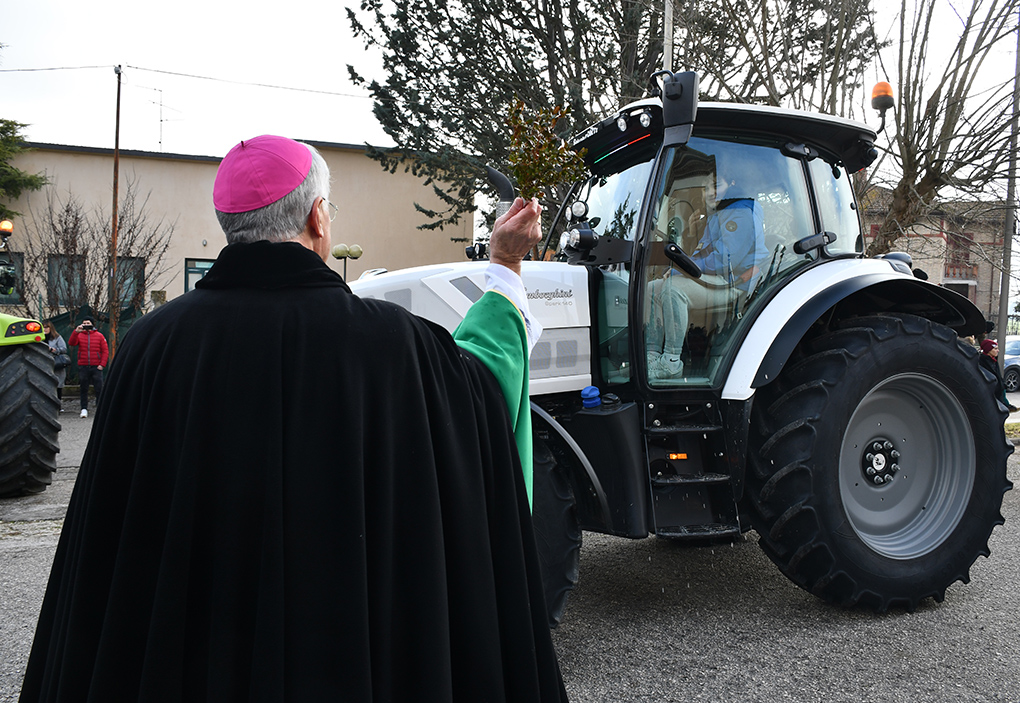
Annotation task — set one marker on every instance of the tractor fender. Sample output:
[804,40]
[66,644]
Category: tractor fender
[582,460]
[856,286]
[20,330]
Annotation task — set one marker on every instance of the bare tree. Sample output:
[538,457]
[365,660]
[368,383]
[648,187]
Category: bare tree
[952,125]
[54,246]
[963,233]
[804,54]
[67,259]
[142,245]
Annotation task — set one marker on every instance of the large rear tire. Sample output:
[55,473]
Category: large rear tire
[556,531]
[880,463]
[29,423]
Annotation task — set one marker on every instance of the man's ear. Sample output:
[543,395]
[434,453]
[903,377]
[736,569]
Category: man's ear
[317,218]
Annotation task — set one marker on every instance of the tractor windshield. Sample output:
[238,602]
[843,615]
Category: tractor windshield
[614,200]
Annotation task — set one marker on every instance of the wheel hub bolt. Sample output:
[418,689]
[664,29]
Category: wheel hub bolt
[879,462]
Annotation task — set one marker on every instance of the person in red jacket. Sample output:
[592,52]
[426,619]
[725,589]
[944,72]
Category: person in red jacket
[92,357]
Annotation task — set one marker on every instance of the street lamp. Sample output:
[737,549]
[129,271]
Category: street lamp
[342,251]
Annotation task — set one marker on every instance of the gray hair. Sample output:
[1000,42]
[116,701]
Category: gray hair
[285,219]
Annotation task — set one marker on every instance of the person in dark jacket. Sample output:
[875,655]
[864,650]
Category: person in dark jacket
[93,354]
[338,513]
[990,361]
[58,348]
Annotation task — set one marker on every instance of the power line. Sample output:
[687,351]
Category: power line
[191,75]
[52,68]
[256,85]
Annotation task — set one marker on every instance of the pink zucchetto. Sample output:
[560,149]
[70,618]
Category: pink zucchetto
[258,172]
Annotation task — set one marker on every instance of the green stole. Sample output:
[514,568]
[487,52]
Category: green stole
[493,330]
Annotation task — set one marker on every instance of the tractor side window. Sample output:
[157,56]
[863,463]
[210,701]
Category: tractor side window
[836,205]
[736,208]
[614,337]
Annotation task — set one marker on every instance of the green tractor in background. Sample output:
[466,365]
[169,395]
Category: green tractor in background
[29,409]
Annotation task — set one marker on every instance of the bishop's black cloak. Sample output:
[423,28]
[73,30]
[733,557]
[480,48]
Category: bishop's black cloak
[291,493]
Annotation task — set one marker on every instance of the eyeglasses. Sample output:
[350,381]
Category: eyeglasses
[333,209]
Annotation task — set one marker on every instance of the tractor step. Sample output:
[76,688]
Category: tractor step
[692,497]
[698,531]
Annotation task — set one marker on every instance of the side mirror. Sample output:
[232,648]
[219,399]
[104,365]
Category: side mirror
[679,105]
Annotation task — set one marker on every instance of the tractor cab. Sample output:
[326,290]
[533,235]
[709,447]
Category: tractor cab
[696,225]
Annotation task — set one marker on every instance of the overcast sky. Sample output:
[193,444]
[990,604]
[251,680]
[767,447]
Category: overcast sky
[302,44]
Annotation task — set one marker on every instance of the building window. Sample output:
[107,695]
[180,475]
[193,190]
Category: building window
[958,247]
[131,278]
[194,271]
[18,262]
[967,290]
[65,280]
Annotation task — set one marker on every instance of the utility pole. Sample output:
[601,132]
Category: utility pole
[114,304]
[1009,230]
[667,35]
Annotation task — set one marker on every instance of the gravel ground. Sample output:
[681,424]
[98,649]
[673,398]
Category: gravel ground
[653,621]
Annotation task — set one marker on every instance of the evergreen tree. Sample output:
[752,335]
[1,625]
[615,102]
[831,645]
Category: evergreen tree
[14,181]
[454,69]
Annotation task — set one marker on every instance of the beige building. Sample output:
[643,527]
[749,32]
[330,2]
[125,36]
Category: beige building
[376,210]
[959,247]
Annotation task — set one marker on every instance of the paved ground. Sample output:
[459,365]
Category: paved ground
[654,622]
[650,622]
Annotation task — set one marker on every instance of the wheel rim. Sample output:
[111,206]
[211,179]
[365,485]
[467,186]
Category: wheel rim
[907,466]
[1012,381]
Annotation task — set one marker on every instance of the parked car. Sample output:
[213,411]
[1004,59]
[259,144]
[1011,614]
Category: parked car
[1011,363]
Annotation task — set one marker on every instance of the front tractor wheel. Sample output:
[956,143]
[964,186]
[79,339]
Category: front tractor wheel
[28,419]
[880,463]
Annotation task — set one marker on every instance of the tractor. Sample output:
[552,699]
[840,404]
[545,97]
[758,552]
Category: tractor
[719,355]
[29,409]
